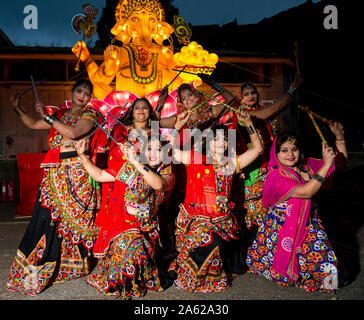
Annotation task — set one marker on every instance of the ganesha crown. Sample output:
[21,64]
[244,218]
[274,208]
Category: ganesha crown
[126,7]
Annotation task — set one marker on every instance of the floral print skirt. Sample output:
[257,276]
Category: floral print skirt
[317,260]
[208,253]
[128,269]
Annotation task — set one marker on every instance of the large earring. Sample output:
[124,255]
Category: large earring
[163,32]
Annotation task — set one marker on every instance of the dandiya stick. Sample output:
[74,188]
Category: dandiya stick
[307,109]
[33,86]
[220,102]
[26,90]
[317,128]
[104,122]
[115,118]
[109,135]
[93,131]
[177,75]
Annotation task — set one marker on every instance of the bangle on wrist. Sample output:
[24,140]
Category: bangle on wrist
[17,112]
[319,178]
[146,168]
[343,139]
[88,61]
[250,129]
[49,119]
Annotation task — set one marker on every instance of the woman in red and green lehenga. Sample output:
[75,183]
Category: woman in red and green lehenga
[129,233]
[58,242]
[206,231]
[254,175]
[291,246]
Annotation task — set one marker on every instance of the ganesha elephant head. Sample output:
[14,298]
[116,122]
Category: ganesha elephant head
[141,22]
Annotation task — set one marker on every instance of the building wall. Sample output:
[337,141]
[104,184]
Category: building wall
[16,137]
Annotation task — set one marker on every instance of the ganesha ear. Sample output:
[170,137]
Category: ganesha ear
[121,32]
[164,30]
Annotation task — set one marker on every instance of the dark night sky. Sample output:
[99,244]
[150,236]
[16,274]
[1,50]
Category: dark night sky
[54,16]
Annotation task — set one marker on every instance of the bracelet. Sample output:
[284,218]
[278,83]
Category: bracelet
[319,178]
[343,139]
[292,90]
[146,168]
[49,119]
[237,164]
[17,112]
[250,130]
[88,61]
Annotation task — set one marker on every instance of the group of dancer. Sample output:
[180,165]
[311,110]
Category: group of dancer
[111,215]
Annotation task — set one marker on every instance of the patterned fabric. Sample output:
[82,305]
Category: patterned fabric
[317,260]
[62,232]
[205,231]
[208,187]
[128,269]
[255,211]
[254,174]
[127,244]
[70,119]
[73,201]
[203,271]
[43,257]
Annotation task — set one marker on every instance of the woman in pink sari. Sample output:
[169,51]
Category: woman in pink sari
[291,247]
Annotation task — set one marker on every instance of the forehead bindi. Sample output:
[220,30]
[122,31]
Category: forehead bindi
[288,146]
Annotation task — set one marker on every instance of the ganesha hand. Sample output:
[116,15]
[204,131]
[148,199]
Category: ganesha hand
[81,47]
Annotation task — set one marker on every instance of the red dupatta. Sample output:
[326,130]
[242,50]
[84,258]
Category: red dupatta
[280,184]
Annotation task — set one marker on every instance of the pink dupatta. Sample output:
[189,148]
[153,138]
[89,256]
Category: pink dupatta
[281,182]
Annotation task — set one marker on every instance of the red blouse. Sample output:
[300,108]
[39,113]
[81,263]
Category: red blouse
[208,188]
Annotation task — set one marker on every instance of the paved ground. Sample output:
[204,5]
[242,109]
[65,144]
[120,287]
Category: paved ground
[342,213]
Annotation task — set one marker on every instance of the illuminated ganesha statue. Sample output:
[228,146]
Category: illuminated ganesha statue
[143,64]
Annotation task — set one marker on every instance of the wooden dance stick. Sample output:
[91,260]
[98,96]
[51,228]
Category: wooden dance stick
[104,122]
[33,86]
[195,74]
[109,135]
[180,71]
[220,102]
[115,118]
[93,131]
[307,109]
[317,128]
[26,90]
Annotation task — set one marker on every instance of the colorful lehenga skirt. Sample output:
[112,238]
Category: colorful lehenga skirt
[57,243]
[208,252]
[252,188]
[128,268]
[316,258]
